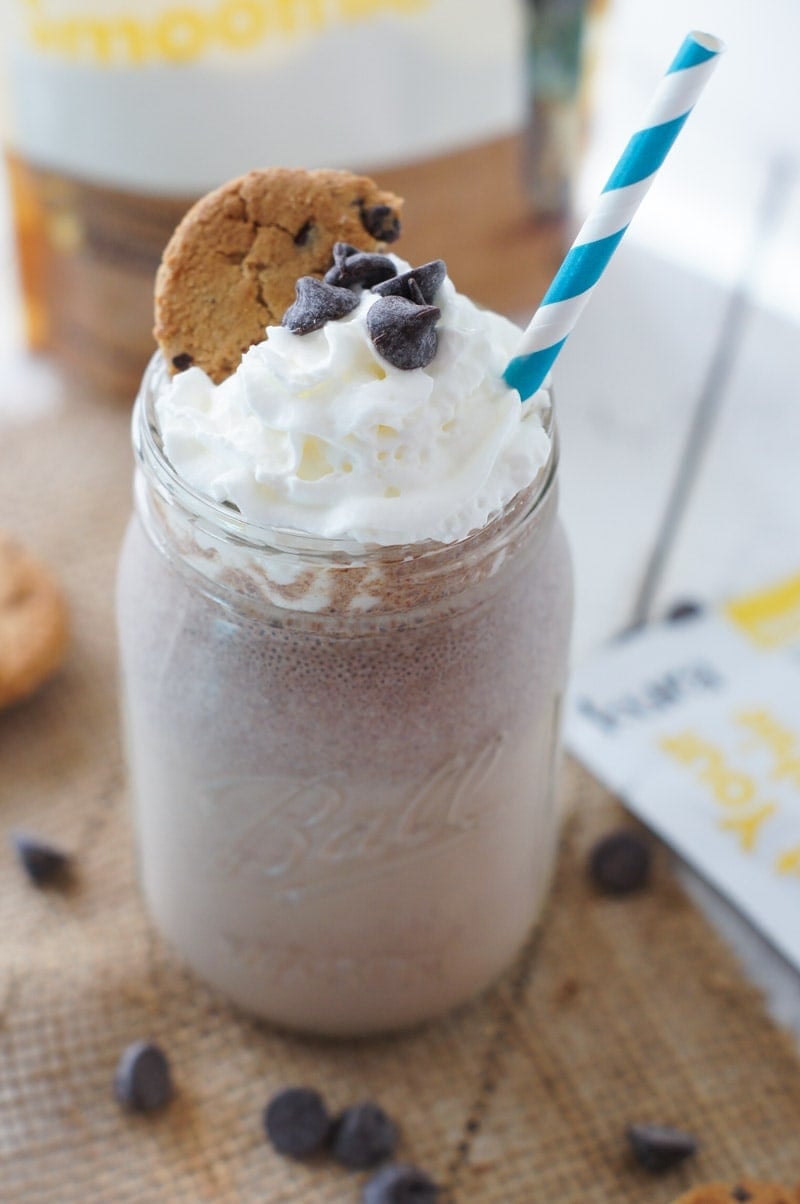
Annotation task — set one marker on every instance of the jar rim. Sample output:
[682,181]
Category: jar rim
[227,521]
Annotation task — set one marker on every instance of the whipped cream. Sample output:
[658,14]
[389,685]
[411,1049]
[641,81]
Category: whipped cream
[319,434]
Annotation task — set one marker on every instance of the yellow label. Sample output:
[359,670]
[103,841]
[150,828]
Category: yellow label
[184,33]
[771,617]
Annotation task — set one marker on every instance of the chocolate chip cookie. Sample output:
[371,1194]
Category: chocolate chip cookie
[231,266]
[33,622]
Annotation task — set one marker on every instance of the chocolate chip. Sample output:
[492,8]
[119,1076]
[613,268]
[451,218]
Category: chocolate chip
[142,1081]
[741,1193]
[317,303]
[182,361]
[428,278]
[403,333]
[686,609]
[363,1136]
[400,1185]
[303,234]
[297,1122]
[361,268]
[381,222]
[42,862]
[620,863]
[658,1147]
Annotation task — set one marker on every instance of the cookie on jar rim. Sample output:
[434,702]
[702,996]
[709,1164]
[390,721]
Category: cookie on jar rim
[231,266]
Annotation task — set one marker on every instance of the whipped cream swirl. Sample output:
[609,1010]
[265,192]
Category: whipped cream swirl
[319,434]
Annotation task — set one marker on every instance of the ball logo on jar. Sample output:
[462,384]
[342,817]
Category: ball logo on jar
[316,836]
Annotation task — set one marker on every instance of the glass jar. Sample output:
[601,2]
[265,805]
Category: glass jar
[343,760]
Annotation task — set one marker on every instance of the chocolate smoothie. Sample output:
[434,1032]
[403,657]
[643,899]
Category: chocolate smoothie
[343,728]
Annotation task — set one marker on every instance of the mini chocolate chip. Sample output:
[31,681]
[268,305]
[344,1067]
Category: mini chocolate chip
[381,222]
[686,609]
[317,303]
[741,1193]
[142,1081]
[303,234]
[620,862]
[658,1147]
[428,278]
[403,333]
[363,1136]
[400,1185]
[182,361]
[361,268]
[297,1122]
[42,862]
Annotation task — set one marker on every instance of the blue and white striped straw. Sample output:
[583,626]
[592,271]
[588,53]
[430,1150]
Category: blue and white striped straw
[601,233]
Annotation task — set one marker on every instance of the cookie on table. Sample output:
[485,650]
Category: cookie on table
[744,1191]
[231,266]
[33,622]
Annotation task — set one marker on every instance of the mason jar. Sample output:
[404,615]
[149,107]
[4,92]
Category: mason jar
[343,759]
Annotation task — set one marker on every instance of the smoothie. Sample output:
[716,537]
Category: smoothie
[344,608]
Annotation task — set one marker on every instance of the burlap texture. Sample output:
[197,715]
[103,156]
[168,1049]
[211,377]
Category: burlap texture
[620,1010]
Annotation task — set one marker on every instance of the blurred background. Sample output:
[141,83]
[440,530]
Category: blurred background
[680,388]
[500,124]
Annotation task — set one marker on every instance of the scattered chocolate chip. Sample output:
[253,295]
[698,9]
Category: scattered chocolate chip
[400,1185]
[428,279]
[363,1136]
[42,862]
[381,222]
[183,361]
[142,1081]
[403,333]
[620,862]
[297,1122]
[303,234]
[658,1148]
[317,303]
[687,609]
[741,1193]
[361,268]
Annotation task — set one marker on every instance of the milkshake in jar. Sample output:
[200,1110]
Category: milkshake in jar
[344,608]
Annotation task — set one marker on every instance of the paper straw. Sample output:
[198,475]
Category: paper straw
[610,217]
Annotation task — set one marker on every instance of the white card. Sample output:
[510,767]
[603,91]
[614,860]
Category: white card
[696,726]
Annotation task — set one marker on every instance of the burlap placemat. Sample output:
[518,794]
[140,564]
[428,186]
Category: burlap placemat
[618,1011]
